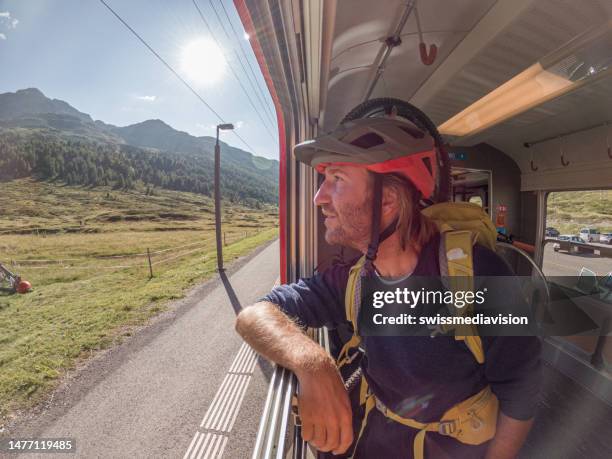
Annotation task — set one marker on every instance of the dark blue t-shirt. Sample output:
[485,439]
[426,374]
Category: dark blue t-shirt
[401,369]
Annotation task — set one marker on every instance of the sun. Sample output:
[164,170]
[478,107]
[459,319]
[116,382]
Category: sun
[203,62]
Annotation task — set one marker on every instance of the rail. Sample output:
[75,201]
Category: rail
[276,426]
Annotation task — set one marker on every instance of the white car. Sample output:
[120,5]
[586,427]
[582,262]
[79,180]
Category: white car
[565,237]
[589,235]
[605,238]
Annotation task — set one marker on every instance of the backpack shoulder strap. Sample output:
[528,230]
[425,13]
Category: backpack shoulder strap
[456,257]
[353,292]
[352,300]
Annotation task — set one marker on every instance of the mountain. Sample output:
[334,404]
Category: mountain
[32,101]
[157,134]
[35,128]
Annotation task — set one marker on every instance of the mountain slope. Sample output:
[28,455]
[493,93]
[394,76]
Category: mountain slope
[52,140]
[157,134]
[32,101]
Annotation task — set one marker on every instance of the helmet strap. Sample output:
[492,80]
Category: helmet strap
[377,237]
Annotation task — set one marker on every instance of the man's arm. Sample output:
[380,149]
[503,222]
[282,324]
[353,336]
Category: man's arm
[324,406]
[509,437]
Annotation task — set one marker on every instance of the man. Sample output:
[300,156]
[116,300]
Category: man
[376,171]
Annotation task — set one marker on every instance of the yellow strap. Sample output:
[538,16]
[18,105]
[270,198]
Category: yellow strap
[369,404]
[453,421]
[349,296]
[418,447]
[350,306]
[474,344]
[458,247]
[363,390]
[343,357]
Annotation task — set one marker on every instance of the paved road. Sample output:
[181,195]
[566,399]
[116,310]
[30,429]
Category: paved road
[187,387]
[564,264]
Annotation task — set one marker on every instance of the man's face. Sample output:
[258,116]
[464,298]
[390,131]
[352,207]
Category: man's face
[345,198]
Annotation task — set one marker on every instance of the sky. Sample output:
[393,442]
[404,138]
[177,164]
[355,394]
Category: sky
[77,51]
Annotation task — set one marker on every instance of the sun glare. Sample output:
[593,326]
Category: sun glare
[203,62]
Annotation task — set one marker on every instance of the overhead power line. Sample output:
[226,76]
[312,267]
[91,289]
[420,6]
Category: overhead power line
[176,74]
[257,112]
[241,47]
[255,89]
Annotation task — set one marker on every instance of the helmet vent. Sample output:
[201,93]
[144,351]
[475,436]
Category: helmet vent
[427,163]
[416,133]
[368,140]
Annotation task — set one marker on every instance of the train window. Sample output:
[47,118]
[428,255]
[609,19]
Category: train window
[472,185]
[578,259]
[578,233]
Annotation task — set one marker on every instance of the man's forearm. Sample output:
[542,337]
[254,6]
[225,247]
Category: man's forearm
[275,336]
[509,437]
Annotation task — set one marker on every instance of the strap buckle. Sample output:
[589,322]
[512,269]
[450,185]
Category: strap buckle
[349,359]
[447,427]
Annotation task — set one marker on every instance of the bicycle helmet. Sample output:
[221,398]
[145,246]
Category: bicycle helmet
[382,145]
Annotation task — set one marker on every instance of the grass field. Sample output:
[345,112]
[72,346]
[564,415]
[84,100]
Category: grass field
[569,211]
[84,250]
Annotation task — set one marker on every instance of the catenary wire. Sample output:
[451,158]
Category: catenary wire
[169,67]
[238,58]
[232,70]
[239,41]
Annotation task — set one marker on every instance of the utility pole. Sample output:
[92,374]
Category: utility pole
[222,127]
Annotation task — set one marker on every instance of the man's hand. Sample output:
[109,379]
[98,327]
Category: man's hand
[323,403]
[325,409]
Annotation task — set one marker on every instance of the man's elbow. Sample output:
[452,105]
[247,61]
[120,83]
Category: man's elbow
[243,320]
[247,318]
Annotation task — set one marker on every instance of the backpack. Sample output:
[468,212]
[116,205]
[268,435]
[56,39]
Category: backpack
[472,421]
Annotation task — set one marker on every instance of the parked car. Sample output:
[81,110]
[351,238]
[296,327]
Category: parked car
[551,232]
[605,238]
[589,235]
[565,237]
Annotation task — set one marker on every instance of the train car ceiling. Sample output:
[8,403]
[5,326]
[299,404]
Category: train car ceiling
[481,45]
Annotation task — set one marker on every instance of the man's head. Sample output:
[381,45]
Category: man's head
[345,198]
[376,170]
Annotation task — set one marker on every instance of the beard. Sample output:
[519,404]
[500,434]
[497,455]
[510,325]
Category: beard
[351,224]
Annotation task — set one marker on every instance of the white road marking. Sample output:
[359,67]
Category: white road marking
[238,405]
[244,383]
[207,443]
[223,411]
[247,362]
[195,437]
[219,397]
[239,364]
[197,446]
[213,451]
[241,352]
[212,424]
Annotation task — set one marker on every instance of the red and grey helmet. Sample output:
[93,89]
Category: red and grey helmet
[383,145]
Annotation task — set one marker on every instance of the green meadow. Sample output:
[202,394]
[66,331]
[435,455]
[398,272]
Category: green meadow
[85,253]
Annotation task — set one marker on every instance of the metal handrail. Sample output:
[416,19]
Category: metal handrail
[276,419]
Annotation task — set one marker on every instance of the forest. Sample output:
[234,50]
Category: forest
[51,156]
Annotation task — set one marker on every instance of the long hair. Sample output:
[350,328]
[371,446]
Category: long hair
[414,228]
